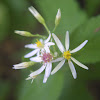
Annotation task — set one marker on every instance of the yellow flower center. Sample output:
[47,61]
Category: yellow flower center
[39,44]
[67,55]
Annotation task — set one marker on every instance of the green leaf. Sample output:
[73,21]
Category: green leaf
[92,7]
[4,89]
[78,89]
[75,90]
[90,31]
[39,91]
[4,21]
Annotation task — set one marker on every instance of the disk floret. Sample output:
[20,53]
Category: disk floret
[47,57]
[67,55]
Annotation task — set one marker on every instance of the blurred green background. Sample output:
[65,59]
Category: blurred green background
[81,18]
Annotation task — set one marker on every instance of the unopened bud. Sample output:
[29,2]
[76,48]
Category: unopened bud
[36,15]
[24,33]
[58,17]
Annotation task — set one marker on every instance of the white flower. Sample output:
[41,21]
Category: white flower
[47,60]
[47,65]
[39,46]
[67,55]
[23,65]
[36,15]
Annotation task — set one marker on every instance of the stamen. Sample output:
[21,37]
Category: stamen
[67,55]
[39,44]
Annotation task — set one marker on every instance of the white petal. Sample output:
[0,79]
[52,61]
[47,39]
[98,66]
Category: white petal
[49,44]
[38,54]
[31,78]
[67,41]
[47,49]
[31,46]
[18,67]
[42,51]
[48,69]
[21,65]
[37,72]
[45,79]
[47,40]
[58,42]
[58,59]
[78,63]
[72,68]
[79,47]
[41,40]
[47,72]
[58,67]
[36,59]
[32,53]
[28,78]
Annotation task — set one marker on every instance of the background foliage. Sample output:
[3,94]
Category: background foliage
[81,18]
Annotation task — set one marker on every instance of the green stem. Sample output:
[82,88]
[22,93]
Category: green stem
[54,29]
[37,35]
[46,28]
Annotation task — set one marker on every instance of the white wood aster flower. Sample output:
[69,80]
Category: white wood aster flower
[47,59]
[39,46]
[67,55]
